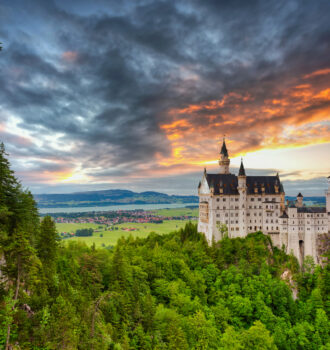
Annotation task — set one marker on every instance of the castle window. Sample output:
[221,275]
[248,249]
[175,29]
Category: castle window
[259,214]
[236,199]
[226,214]
[218,215]
[218,199]
[259,199]
[252,199]
[248,214]
[236,214]
[224,199]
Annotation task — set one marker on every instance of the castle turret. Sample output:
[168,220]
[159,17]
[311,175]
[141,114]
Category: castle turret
[224,160]
[242,189]
[299,203]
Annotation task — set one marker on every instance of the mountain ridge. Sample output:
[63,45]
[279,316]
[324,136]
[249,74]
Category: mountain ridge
[109,197]
[122,197]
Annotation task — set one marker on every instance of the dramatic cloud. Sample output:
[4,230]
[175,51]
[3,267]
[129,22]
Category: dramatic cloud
[115,92]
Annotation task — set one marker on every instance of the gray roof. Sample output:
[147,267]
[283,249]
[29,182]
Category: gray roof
[229,183]
[312,210]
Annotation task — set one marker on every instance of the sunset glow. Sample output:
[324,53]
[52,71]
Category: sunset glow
[112,99]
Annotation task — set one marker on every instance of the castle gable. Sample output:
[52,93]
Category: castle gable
[204,187]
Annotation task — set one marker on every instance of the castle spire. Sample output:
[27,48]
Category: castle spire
[241,169]
[224,159]
[224,149]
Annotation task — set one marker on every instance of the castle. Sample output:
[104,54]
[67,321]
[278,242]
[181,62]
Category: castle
[248,204]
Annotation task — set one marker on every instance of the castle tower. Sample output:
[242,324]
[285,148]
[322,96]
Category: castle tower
[242,188]
[299,203]
[328,198]
[224,159]
[328,203]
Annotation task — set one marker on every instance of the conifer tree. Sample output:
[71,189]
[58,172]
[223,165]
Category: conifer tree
[47,246]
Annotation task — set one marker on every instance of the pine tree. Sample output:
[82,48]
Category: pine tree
[47,245]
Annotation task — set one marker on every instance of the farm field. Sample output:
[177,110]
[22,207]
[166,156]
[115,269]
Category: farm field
[177,212]
[111,237]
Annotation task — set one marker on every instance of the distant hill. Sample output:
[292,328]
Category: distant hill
[108,197]
[118,197]
[310,200]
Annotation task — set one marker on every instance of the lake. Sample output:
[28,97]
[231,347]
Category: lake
[115,207]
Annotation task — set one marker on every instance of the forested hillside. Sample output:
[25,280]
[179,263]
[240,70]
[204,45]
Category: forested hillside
[108,197]
[168,291]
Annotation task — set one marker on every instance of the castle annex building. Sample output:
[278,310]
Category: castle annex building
[257,203]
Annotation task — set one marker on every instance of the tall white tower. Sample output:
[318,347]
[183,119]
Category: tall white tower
[242,188]
[328,198]
[224,160]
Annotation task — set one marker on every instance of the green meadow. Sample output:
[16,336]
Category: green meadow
[105,237]
[177,212]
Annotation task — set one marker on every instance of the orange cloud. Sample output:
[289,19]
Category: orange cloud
[297,115]
[318,72]
[70,56]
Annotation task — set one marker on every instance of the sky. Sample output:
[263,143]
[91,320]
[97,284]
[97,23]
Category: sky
[139,94]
